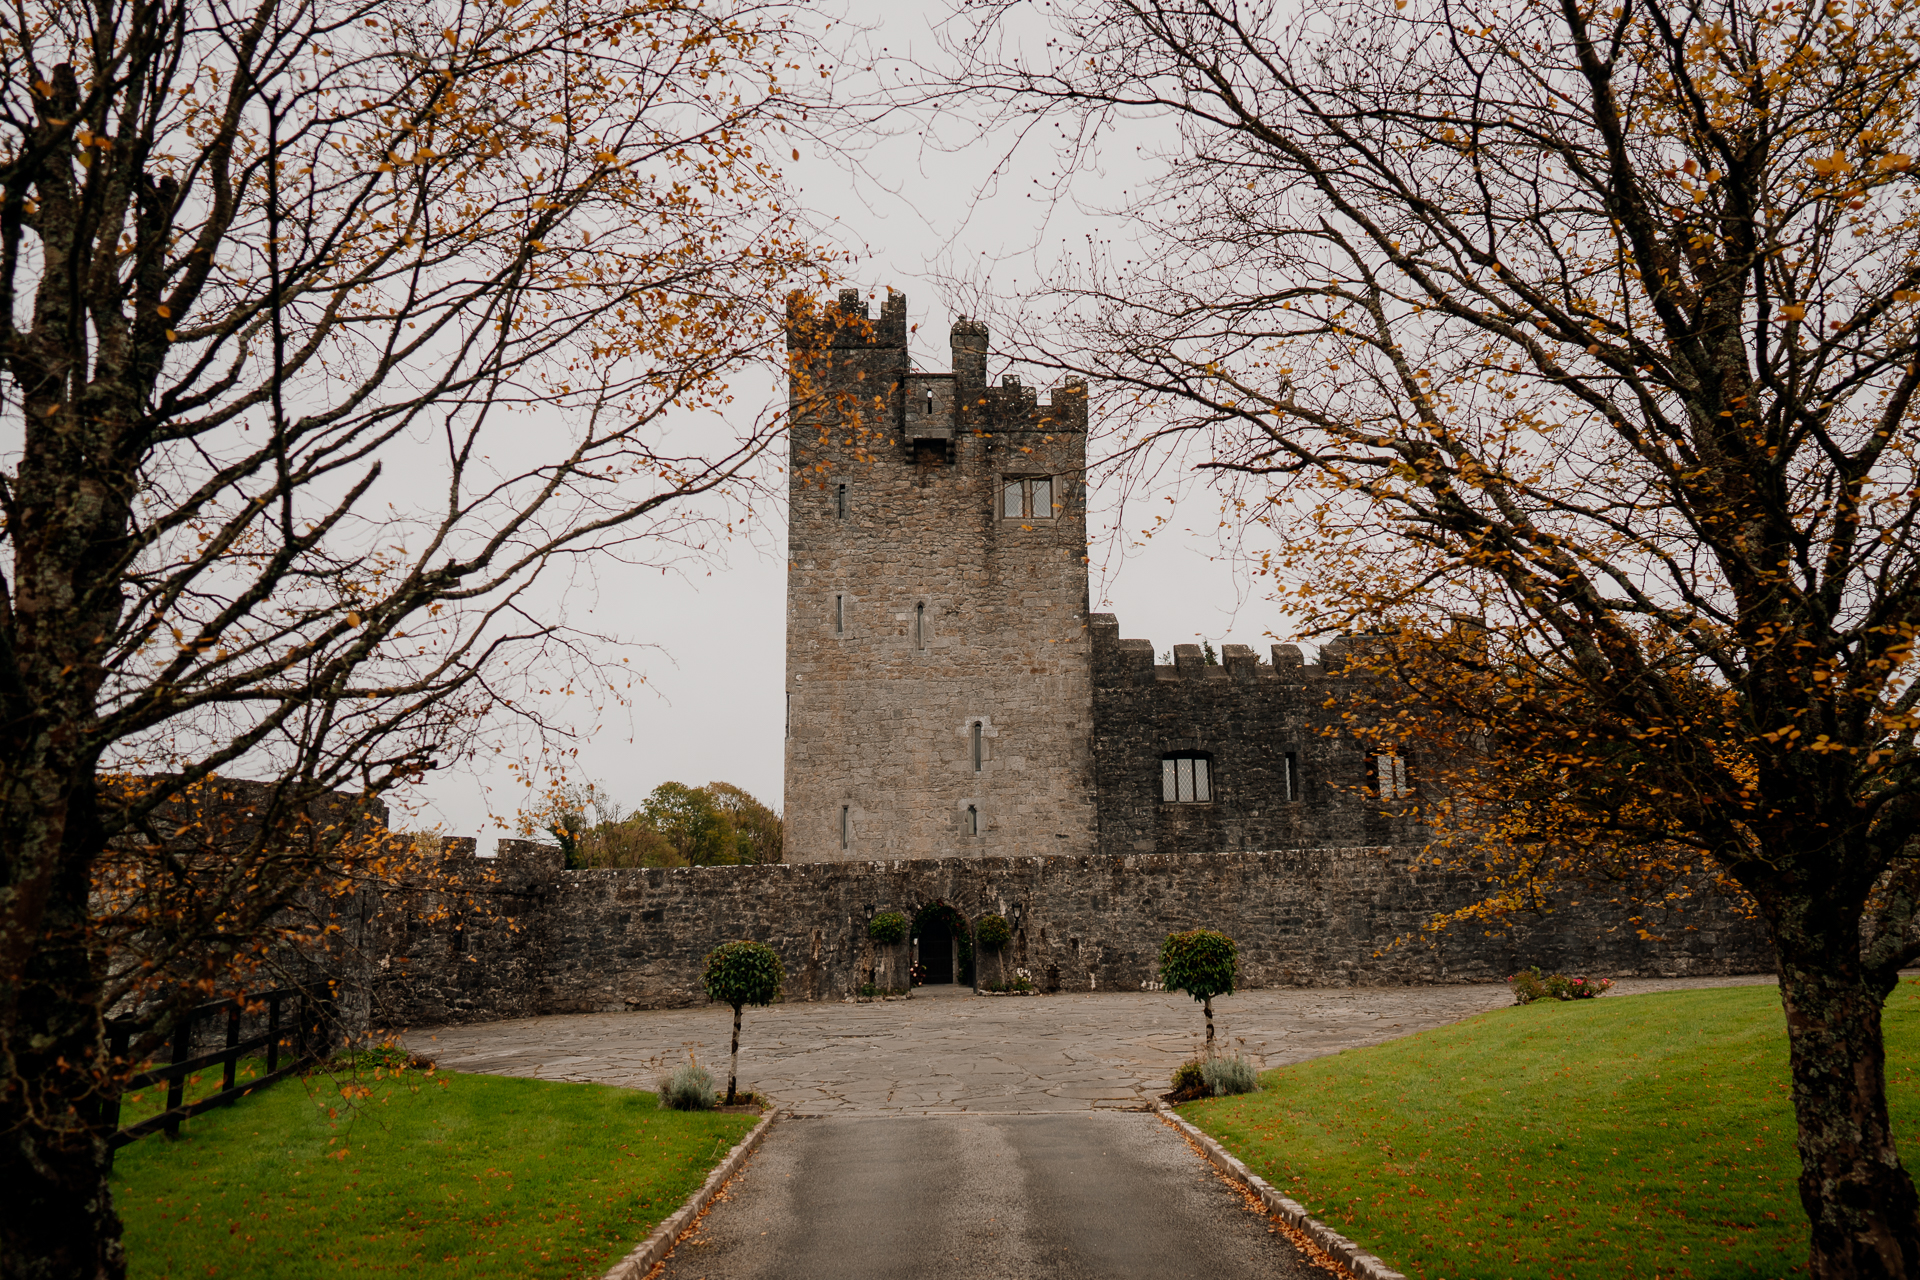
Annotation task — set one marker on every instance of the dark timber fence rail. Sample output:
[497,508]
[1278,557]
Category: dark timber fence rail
[292,1039]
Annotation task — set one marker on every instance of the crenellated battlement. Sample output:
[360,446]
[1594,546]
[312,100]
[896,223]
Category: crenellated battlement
[851,364]
[1118,661]
[1013,406]
[844,323]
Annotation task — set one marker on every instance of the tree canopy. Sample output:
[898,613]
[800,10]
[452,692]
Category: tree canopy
[1598,326]
[675,826]
[327,330]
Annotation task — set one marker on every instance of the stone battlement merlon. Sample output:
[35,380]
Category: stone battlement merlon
[1012,406]
[849,362]
[1124,662]
[845,323]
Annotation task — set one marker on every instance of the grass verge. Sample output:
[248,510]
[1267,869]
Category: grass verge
[373,1173]
[1631,1136]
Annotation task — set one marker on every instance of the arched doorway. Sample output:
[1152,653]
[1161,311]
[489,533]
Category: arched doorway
[944,943]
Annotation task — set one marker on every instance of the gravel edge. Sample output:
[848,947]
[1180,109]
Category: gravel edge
[637,1264]
[1344,1251]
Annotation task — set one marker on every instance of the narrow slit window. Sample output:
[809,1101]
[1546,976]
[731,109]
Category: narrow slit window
[977,746]
[929,409]
[839,615]
[973,820]
[1290,776]
[840,501]
[846,825]
[1186,777]
[920,626]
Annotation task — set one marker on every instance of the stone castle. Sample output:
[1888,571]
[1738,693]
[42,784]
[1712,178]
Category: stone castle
[949,694]
[964,737]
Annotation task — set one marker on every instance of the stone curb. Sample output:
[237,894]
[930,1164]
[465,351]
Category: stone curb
[1342,1250]
[658,1245]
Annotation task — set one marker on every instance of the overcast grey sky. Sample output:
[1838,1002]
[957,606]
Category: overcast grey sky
[916,219]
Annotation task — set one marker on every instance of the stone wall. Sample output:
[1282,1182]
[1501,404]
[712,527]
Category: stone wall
[535,939]
[920,615]
[326,937]
[1281,775]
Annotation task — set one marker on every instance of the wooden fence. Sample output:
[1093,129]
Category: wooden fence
[290,1043]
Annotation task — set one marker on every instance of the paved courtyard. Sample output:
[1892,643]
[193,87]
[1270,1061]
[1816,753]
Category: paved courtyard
[947,1051]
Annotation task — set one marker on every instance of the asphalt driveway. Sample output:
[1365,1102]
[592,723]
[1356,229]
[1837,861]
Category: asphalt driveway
[1081,1196]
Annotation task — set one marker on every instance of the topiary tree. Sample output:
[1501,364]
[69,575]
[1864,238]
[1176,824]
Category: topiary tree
[1199,962]
[742,973]
[888,927]
[993,932]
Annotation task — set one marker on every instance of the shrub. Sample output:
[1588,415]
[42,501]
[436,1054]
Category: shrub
[1223,1076]
[1189,1078]
[690,1088]
[1199,962]
[994,933]
[1530,984]
[742,973]
[888,927]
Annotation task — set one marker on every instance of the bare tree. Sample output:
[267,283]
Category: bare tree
[326,329]
[1599,322]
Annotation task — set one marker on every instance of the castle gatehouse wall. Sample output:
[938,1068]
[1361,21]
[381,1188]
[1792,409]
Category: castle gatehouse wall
[534,939]
[1281,771]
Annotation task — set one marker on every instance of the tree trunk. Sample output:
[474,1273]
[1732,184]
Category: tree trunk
[59,1218]
[1861,1202]
[1207,1004]
[56,1218]
[733,1070]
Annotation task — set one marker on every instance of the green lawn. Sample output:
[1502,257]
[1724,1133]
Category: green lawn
[1630,1136]
[442,1175]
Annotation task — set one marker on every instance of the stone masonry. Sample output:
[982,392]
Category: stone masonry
[1281,776]
[938,696]
[961,730]
[948,694]
[535,939]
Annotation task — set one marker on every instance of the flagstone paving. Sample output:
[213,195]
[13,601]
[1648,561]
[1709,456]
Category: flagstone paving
[948,1051]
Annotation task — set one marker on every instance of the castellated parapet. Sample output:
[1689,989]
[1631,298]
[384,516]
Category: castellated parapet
[938,661]
[1279,775]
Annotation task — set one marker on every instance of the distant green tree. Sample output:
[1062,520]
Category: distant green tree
[758,833]
[1201,963]
[567,826]
[740,974]
[562,813]
[700,832]
[628,841]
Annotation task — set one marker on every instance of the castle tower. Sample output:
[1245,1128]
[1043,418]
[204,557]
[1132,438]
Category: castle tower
[939,689]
